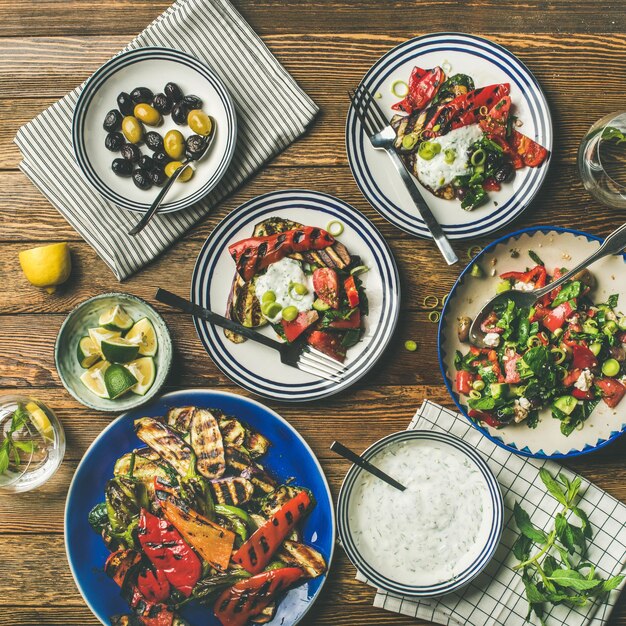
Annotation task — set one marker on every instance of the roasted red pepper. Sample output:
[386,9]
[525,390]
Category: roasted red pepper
[153,585]
[556,317]
[257,551]
[167,551]
[150,613]
[247,598]
[495,122]
[296,327]
[537,276]
[516,159]
[464,380]
[612,391]
[583,358]
[352,292]
[422,88]
[257,253]
[531,152]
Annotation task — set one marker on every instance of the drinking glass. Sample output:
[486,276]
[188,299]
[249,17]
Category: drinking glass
[602,160]
[32,443]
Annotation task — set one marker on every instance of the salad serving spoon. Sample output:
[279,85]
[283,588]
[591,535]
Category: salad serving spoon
[613,244]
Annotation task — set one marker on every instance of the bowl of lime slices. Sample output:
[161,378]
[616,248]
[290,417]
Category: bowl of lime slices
[113,352]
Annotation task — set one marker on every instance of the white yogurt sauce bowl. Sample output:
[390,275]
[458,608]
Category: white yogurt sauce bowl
[438,534]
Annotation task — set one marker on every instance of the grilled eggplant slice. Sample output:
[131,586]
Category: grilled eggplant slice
[166,443]
[256,444]
[180,418]
[233,491]
[237,459]
[274,225]
[206,441]
[259,478]
[302,556]
[246,308]
[275,500]
[233,431]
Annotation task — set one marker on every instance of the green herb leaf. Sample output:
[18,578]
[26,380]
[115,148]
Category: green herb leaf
[4,459]
[18,419]
[535,257]
[571,579]
[552,486]
[573,489]
[521,548]
[532,592]
[564,533]
[522,519]
[611,583]
[25,446]
[569,291]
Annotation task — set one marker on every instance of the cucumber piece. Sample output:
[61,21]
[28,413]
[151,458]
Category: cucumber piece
[566,404]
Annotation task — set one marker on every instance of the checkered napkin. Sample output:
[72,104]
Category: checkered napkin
[265,96]
[496,597]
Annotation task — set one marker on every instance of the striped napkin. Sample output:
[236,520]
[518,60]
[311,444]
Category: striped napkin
[214,32]
[496,597]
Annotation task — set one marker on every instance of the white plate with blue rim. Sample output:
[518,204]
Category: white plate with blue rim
[152,67]
[487,63]
[557,247]
[258,368]
[395,545]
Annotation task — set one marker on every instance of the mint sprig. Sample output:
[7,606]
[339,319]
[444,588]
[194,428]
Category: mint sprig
[10,448]
[552,562]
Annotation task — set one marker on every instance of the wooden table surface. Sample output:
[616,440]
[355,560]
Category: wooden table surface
[577,51]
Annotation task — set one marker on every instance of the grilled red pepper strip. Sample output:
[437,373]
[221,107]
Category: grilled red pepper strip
[351,291]
[464,109]
[257,552]
[532,153]
[247,598]
[257,253]
[150,613]
[167,551]
[423,87]
[537,275]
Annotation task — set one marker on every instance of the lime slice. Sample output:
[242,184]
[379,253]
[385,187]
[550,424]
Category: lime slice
[99,334]
[118,380]
[93,379]
[87,352]
[142,333]
[116,318]
[41,421]
[144,370]
[118,350]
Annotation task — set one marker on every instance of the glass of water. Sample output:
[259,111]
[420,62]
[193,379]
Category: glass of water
[602,160]
[32,443]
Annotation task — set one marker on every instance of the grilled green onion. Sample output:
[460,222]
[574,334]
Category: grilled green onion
[473,251]
[475,395]
[409,141]
[268,296]
[359,269]
[479,385]
[596,348]
[431,302]
[477,271]
[299,288]
[434,316]
[428,149]
[320,305]
[449,155]
[559,355]
[533,341]
[290,313]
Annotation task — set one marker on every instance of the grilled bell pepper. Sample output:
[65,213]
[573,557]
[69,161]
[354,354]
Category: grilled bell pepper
[167,551]
[119,564]
[124,497]
[257,552]
[423,87]
[153,585]
[257,253]
[247,598]
[351,291]
[531,152]
[238,519]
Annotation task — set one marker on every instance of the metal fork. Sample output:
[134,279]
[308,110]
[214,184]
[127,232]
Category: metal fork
[382,136]
[304,357]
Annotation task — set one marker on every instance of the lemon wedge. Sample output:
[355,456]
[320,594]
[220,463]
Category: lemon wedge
[47,266]
[40,420]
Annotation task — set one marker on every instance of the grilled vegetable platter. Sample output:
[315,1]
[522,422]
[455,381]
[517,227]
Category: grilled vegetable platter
[302,281]
[199,530]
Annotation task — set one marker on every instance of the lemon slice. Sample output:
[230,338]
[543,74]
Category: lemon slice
[116,318]
[47,266]
[87,352]
[143,334]
[93,379]
[118,350]
[41,421]
[144,370]
[99,334]
[118,380]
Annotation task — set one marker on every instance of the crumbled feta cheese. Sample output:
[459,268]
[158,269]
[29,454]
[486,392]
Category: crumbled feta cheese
[585,380]
[520,286]
[492,339]
[520,411]
[524,403]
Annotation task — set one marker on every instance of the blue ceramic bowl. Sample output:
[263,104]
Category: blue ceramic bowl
[288,456]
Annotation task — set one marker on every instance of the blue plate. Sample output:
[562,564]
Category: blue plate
[487,63]
[483,552]
[288,456]
[258,368]
[557,247]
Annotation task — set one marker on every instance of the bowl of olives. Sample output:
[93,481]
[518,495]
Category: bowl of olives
[133,127]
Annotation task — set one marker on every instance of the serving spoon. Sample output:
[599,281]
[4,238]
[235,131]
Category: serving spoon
[151,212]
[613,244]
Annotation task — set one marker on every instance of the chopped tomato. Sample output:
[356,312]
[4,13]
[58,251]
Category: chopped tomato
[537,276]
[571,377]
[556,317]
[510,367]
[485,417]
[491,184]
[352,292]
[354,321]
[464,380]
[328,343]
[531,152]
[539,313]
[612,391]
[296,327]
[583,358]
[579,394]
[326,286]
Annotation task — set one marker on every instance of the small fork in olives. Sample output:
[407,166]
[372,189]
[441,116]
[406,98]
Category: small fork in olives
[112,121]
[114,141]
[122,167]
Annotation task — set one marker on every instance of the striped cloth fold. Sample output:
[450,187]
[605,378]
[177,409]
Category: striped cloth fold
[265,96]
[496,597]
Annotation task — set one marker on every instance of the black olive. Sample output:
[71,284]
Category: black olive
[161,158]
[122,167]
[179,113]
[162,103]
[154,141]
[141,178]
[131,152]
[112,121]
[461,192]
[504,173]
[125,104]
[173,92]
[157,176]
[114,141]
[194,145]
[192,102]
[141,95]
[146,162]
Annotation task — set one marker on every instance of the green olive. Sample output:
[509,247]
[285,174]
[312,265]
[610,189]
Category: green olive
[174,144]
[199,122]
[172,166]
[147,114]
[132,129]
